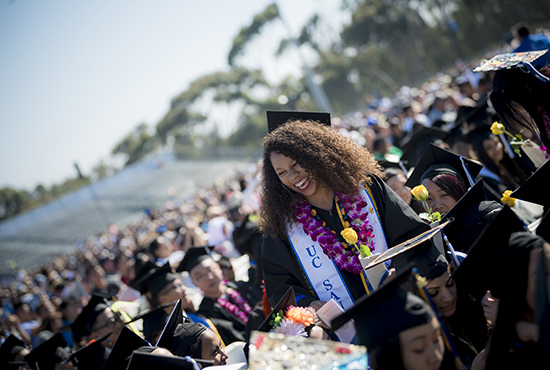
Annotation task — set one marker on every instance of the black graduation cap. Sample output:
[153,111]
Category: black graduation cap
[11,348]
[429,262]
[277,118]
[193,257]
[509,60]
[470,215]
[153,324]
[404,310]
[158,280]
[148,361]
[418,140]
[150,312]
[143,271]
[480,271]
[92,356]
[534,189]
[185,339]
[438,159]
[400,249]
[48,354]
[127,342]
[289,299]
[84,322]
[176,317]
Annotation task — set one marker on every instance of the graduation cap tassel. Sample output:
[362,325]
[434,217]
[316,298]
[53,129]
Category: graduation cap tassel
[421,284]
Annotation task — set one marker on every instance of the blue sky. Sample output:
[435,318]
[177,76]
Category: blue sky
[78,76]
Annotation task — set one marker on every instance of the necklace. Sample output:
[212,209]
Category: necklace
[354,215]
[238,307]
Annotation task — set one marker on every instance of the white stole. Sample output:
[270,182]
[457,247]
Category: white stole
[322,272]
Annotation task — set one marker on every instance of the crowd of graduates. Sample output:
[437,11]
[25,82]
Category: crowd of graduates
[164,291]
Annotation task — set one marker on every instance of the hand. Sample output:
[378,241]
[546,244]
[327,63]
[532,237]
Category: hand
[480,360]
[391,275]
[316,305]
[490,307]
[527,331]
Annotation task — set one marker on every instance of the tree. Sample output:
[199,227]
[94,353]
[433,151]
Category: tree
[136,145]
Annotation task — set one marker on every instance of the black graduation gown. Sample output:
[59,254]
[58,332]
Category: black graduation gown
[281,269]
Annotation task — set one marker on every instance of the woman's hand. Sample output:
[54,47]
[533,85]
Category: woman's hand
[490,307]
[316,305]
[480,360]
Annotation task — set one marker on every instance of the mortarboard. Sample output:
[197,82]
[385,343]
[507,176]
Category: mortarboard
[470,215]
[158,280]
[405,309]
[288,299]
[143,270]
[480,271]
[48,354]
[193,257]
[399,250]
[186,339]
[153,325]
[429,262]
[127,342]
[84,322]
[147,361]
[92,356]
[441,160]
[534,189]
[176,317]
[278,118]
[419,140]
[509,60]
[11,348]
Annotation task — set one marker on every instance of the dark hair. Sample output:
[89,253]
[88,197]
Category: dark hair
[334,160]
[154,246]
[451,185]
[387,356]
[225,263]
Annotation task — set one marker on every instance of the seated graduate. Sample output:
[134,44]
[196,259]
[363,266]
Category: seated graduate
[184,338]
[49,355]
[226,306]
[13,350]
[445,175]
[96,320]
[409,338]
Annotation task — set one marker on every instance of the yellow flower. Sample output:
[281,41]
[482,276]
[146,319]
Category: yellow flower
[497,128]
[507,199]
[349,235]
[420,193]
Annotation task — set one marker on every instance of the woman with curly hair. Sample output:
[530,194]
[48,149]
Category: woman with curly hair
[318,186]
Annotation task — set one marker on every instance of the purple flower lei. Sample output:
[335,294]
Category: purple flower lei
[354,210]
[239,308]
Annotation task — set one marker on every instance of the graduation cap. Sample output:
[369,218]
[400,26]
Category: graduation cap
[11,348]
[147,361]
[470,215]
[509,60]
[404,309]
[534,189]
[437,160]
[419,140]
[193,257]
[92,356]
[480,271]
[127,342]
[176,317]
[84,322]
[143,269]
[400,249]
[155,282]
[186,339]
[153,324]
[48,354]
[278,118]
[289,299]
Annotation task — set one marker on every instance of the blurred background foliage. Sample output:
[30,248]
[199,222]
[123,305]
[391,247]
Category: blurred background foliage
[386,44]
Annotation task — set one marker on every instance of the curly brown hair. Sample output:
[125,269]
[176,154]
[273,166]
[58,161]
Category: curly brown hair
[334,160]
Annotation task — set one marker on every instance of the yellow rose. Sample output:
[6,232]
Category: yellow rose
[349,235]
[497,128]
[420,193]
[507,199]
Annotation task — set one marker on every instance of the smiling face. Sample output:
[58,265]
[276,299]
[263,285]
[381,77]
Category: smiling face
[295,178]
[422,346]
[438,200]
[442,290]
